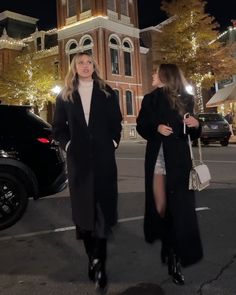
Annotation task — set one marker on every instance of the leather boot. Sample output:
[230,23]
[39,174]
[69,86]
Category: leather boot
[99,263]
[89,244]
[174,269]
[100,275]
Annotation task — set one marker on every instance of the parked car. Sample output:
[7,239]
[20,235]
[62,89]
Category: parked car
[214,128]
[31,162]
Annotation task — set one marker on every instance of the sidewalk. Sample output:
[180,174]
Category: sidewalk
[232,139]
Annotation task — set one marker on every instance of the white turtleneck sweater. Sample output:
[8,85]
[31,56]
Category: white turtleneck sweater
[85,90]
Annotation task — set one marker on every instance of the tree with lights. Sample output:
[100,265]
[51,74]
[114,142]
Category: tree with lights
[189,38]
[28,80]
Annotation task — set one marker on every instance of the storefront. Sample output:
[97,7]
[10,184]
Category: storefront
[225,101]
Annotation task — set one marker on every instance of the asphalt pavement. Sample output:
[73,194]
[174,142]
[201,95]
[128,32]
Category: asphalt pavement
[39,255]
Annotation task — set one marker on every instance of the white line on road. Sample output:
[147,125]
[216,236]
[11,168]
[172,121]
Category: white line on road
[202,208]
[68,228]
[142,159]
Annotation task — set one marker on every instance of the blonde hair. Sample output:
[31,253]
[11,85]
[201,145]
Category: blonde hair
[72,77]
[174,86]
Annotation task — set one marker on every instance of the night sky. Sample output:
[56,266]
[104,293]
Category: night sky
[45,11]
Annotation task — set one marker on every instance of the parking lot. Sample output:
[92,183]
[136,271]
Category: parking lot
[39,255]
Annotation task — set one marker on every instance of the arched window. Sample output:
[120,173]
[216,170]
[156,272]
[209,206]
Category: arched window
[72,48]
[85,5]
[127,48]
[129,103]
[86,44]
[114,53]
[111,5]
[71,8]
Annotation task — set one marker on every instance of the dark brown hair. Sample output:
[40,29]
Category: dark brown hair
[174,86]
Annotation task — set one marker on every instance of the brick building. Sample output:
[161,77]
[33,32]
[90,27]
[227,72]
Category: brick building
[107,28]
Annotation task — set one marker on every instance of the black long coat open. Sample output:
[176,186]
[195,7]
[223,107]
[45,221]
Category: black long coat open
[92,171]
[156,110]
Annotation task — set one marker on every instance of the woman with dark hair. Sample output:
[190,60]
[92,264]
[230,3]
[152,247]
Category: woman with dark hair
[170,213]
[87,124]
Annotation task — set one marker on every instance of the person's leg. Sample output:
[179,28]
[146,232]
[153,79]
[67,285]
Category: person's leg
[100,250]
[159,183]
[173,261]
[99,262]
[89,244]
[159,193]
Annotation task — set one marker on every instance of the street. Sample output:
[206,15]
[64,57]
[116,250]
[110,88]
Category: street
[40,255]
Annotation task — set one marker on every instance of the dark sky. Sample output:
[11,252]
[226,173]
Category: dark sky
[45,10]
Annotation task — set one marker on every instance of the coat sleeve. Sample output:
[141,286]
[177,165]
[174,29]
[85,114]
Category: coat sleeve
[146,126]
[60,126]
[115,118]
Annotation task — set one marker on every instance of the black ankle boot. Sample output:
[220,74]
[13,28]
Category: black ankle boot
[174,269]
[91,270]
[100,276]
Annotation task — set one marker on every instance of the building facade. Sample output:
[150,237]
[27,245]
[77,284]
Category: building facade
[106,28]
[109,30]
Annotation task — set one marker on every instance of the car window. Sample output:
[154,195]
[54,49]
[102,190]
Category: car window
[210,118]
[36,121]
[22,123]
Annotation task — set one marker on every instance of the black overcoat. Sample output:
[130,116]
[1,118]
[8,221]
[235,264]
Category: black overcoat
[92,171]
[156,110]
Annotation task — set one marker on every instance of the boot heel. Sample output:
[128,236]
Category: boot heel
[100,276]
[177,275]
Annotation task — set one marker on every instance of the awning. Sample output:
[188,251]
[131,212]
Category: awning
[226,94]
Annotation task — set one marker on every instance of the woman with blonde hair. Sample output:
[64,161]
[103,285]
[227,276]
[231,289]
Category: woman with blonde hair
[166,113]
[87,124]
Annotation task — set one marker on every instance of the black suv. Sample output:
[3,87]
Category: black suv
[31,163]
[214,128]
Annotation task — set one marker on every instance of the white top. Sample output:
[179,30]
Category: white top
[85,90]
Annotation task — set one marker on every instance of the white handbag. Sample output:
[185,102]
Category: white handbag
[199,177]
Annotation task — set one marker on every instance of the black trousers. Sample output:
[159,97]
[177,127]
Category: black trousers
[96,248]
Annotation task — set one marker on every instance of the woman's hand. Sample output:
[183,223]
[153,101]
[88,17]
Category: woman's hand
[164,130]
[191,122]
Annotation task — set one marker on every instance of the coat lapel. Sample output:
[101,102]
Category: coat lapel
[94,108]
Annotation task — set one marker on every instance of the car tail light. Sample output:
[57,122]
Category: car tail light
[43,140]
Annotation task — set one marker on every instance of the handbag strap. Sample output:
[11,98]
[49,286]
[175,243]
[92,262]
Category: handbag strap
[191,150]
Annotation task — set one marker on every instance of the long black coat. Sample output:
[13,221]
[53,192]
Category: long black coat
[92,171]
[156,110]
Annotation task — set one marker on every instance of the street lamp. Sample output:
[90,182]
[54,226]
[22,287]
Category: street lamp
[56,90]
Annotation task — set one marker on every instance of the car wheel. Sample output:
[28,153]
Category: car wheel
[224,142]
[13,197]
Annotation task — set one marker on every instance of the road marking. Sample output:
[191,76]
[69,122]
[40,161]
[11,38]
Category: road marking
[202,208]
[68,228]
[208,161]
[125,158]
